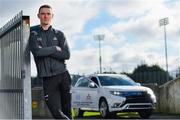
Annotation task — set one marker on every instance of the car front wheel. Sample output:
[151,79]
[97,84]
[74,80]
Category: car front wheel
[103,108]
[145,114]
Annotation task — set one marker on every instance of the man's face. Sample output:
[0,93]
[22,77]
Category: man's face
[45,15]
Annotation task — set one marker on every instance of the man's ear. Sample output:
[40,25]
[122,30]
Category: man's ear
[38,15]
[52,15]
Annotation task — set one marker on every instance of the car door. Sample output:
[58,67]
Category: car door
[81,95]
[77,94]
[92,94]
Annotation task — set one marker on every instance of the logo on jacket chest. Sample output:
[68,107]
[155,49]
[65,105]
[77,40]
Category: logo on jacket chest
[55,38]
[39,39]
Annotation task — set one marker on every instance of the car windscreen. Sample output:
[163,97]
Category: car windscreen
[116,81]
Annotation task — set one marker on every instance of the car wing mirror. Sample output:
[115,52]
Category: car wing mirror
[92,85]
[138,84]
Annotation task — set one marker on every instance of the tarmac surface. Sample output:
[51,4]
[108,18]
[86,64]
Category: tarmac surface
[154,116]
[126,117]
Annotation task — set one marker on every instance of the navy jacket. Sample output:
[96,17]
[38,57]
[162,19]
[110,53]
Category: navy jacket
[42,44]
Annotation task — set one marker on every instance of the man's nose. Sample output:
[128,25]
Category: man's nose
[45,16]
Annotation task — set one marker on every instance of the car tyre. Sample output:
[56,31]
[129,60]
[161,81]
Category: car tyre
[103,108]
[78,112]
[145,114]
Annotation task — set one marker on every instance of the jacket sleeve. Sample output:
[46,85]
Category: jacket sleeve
[65,53]
[39,52]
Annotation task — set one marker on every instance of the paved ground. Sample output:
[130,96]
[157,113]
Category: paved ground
[154,116]
[130,116]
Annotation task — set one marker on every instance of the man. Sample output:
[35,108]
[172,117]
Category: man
[50,50]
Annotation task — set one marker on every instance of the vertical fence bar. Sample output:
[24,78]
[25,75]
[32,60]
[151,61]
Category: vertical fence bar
[15,76]
[26,69]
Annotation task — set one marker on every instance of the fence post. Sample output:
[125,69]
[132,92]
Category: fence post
[15,73]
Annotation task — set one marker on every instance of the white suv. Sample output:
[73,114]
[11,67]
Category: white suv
[111,93]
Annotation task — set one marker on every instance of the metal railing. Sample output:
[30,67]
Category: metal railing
[15,76]
[147,77]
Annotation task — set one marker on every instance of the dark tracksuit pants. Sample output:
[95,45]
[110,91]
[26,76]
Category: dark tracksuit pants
[57,95]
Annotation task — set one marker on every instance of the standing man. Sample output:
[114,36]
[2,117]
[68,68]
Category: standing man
[50,50]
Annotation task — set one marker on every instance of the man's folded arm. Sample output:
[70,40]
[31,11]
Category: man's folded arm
[37,50]
[64,54]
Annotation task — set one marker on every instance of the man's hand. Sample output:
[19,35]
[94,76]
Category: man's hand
[58,48]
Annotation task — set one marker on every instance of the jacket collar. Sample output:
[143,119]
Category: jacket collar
[49,29]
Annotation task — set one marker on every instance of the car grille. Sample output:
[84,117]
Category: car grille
[139,106]
[137,97]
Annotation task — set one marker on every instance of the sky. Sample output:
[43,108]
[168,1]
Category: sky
[131,28]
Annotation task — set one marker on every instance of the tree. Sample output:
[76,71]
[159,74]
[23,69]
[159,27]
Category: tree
[149,74]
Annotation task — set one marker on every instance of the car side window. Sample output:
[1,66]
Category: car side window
[94,79]
[83,82]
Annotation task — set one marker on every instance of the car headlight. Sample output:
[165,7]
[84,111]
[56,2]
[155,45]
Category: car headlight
[151,93]
[117,93]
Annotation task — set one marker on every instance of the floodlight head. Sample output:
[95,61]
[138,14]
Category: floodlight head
[99,37]
[163,21]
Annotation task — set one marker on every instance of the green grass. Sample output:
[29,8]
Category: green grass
[124,114]
[91,113]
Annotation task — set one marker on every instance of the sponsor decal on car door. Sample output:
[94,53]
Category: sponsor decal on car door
[92,97]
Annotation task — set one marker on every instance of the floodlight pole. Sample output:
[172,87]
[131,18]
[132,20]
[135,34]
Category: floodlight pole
[99,37]
[164,22]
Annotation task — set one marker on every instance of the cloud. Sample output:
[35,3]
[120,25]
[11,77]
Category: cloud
[10,8]
[132,8]
[110,36]
[134,37]
[84,61]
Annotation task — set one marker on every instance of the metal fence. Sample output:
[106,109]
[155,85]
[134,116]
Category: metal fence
[15,77]
[146,77]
